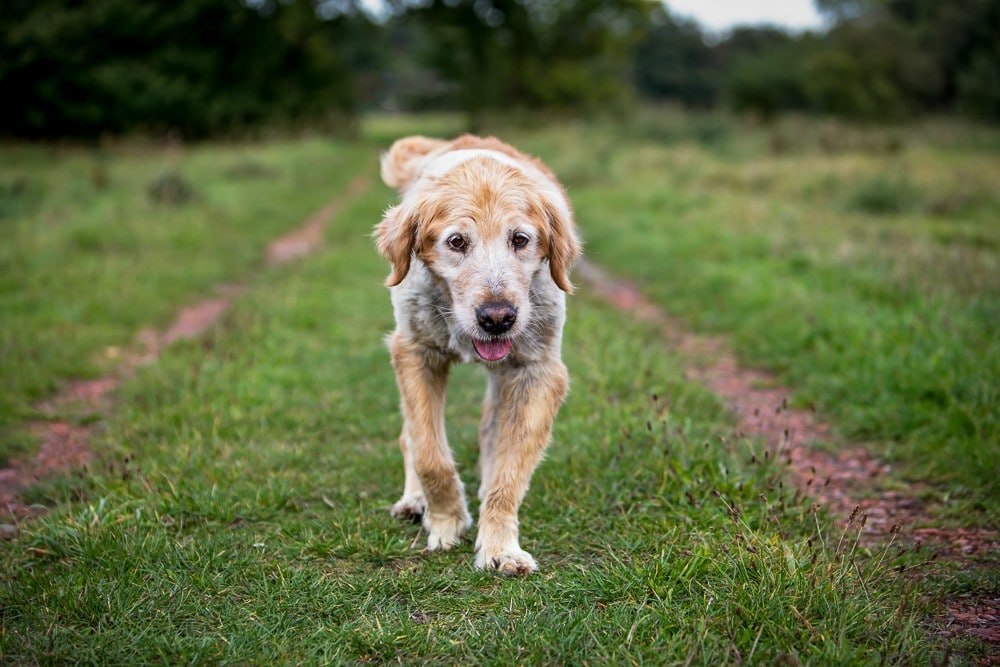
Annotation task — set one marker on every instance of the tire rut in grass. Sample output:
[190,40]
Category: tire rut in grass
[842,476]
[65,440]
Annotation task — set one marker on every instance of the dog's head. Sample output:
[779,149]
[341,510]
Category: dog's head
[483,218]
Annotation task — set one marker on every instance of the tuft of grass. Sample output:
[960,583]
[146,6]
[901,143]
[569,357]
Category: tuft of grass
[170,188]
[884,195]
[18,196]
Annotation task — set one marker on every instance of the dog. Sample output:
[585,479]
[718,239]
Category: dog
[481,245]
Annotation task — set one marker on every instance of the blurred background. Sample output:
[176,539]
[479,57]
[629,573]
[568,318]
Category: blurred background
[86,69]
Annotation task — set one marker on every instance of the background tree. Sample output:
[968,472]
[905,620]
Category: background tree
[511,54]
[83,68]
[673,62]
[908,56]
[198,66]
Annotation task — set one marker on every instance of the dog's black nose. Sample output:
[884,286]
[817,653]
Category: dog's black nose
[496,318]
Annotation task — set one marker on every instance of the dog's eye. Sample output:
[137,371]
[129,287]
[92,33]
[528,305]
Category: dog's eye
[456,242]
[519,240]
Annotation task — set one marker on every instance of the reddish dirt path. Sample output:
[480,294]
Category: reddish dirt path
[65,445]
[842,479]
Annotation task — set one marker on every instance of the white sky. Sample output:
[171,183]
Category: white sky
[720,15]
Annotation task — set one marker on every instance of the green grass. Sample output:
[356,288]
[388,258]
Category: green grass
[91,255]
[861,265]
[237,510]
[242,515]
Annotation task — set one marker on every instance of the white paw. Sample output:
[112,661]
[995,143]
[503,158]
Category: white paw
[508,561]
[445,530]
[409,507]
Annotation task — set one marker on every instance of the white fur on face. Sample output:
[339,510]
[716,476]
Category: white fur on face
[489,270]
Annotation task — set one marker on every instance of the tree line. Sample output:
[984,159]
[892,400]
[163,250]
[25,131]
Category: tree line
[85,68]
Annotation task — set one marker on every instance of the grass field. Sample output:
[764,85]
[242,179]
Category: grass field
[238,510]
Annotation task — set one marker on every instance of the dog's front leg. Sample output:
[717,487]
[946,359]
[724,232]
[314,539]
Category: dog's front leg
[422,377]
[529,399]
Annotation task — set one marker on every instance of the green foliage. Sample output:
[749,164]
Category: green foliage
[978,86]
[883,195]
[767,83]
[197,67]
[673,62]
[839,83]
[881,60]
[507,54]
[862,71]
[229,67]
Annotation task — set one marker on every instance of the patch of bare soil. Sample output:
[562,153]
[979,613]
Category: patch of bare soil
[65,444]
[304,239]
[846,477]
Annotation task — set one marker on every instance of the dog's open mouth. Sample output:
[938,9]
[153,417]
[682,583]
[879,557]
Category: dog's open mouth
[492,350]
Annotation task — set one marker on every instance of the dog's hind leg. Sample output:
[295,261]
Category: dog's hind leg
[529,400]
[489,430]
[412,505]
[422,376]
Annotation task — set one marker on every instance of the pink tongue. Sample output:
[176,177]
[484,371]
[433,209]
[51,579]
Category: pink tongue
[492,350]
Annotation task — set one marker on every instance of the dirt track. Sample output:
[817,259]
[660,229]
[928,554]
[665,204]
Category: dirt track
[65,445]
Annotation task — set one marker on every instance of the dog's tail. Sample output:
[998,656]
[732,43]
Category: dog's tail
[401,163]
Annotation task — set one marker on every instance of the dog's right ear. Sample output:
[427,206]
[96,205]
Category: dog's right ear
[564,244]
[395,238]
[400,164]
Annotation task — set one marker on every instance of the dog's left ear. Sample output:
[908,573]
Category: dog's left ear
[396,237]
[564,243]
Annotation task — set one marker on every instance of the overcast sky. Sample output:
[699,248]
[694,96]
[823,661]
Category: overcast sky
[720,15]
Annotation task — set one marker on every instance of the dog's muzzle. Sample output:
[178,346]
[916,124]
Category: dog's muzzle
[496,318]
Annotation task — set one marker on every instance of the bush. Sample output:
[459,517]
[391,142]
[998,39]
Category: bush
[883,196]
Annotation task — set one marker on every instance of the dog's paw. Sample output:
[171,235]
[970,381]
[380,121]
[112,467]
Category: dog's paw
[445,530]
[409,507]
[513,562]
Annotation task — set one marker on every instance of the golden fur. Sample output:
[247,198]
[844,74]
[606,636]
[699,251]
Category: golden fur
[481,245]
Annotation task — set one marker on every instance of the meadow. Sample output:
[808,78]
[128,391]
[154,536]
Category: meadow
[236,510]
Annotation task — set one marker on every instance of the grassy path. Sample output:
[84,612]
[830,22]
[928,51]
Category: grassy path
[98,244]
[65,445]
[237,510]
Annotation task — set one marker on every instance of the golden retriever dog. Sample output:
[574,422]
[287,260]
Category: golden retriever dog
[481,245]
